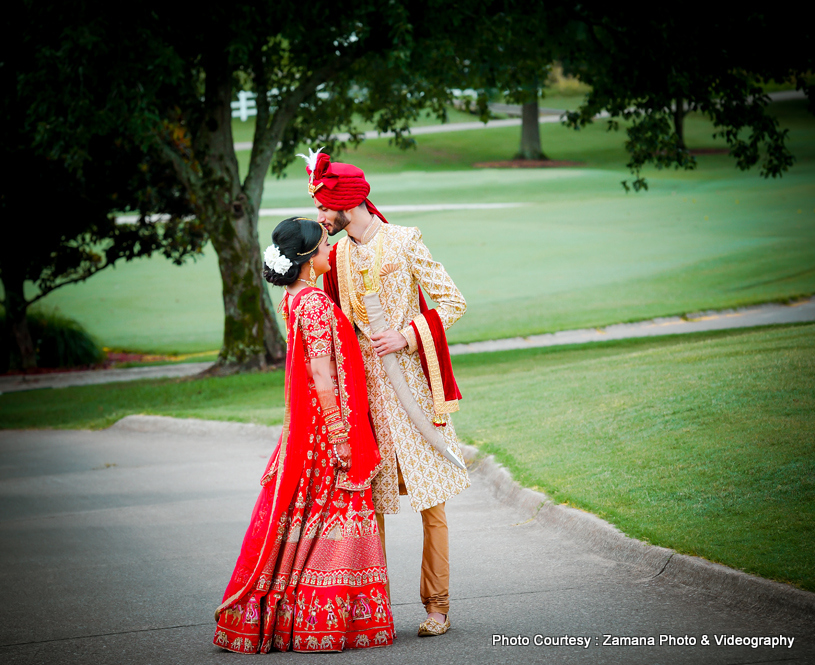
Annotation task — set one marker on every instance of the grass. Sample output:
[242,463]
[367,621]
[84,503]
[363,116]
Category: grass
[580,252]
[702,443]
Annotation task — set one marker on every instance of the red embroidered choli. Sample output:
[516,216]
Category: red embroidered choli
[311,574]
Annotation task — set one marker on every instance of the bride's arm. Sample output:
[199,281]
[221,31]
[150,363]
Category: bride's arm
[323,381]
[315,313]
[337,431]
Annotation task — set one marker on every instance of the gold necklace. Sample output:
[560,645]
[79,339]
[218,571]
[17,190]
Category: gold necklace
[360,313]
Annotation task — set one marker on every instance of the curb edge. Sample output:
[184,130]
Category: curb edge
[734,586]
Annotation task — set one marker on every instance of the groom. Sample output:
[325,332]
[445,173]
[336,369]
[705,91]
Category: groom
[398,263]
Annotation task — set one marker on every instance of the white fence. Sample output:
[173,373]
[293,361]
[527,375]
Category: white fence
[245,106]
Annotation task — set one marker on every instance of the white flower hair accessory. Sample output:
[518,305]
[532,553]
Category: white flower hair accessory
[276,261]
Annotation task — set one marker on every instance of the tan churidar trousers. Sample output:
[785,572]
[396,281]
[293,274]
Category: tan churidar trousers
[434,583]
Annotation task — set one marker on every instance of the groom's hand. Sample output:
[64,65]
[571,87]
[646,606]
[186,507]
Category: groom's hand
[388,341]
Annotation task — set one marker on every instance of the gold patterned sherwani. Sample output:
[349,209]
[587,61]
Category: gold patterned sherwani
[404,263]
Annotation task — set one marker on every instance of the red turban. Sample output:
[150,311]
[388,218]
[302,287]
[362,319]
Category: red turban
[337,186]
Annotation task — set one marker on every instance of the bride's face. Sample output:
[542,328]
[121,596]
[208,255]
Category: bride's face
[321,264]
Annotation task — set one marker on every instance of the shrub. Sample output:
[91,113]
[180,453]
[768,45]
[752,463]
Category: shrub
[564,85]
[58,340]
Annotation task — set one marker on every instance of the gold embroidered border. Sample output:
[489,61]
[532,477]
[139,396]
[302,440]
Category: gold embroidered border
[345,577]
[343,277]
[376,267]
[345,484]
[342,382]
[433,369]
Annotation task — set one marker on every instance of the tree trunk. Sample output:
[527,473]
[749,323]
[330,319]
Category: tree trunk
[679,122]
[530,132]
[17,324]
[251,338]
[530,129]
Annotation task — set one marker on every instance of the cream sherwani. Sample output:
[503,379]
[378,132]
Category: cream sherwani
[405,263]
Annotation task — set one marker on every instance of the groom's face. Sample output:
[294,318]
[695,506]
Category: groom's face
[334,221]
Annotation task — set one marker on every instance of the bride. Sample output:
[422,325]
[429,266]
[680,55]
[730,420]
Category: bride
[311,575]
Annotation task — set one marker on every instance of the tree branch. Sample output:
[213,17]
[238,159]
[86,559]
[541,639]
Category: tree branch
[265,144]
[80,278]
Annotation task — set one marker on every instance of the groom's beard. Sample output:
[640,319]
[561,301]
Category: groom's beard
[339,223]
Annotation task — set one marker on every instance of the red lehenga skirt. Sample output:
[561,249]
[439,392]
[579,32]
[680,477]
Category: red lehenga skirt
[322,587]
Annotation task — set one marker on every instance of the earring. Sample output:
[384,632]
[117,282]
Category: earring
[312,276]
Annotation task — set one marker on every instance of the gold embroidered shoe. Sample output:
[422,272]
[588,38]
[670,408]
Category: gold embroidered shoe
[431,627]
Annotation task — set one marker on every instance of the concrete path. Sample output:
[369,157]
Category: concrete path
[308,211]
[759,315]
[747,317]
[115,547]
[516,110]
[19,382]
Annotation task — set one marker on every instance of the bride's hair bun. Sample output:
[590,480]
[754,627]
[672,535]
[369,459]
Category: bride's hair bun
[293,236]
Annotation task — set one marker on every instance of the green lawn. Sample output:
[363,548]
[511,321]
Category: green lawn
[580,252]
[701,443]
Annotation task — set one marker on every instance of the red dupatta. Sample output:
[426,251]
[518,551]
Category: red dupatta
[281,477]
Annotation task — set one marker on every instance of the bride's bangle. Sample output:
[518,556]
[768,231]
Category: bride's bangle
[333,422]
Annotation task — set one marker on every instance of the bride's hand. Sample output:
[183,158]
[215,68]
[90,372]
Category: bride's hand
[344,455]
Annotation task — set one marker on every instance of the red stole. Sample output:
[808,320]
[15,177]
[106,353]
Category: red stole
[435,356]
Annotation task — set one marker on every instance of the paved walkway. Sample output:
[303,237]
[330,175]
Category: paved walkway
[760,315]
[747,317]
[427,207]
[309,210]
[116,546]
[16,383]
